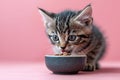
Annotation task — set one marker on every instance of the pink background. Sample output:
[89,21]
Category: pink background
[22,36]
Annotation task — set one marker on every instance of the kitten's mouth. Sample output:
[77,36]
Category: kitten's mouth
[63,50]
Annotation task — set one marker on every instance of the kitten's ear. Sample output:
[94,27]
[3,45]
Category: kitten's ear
[47,17]
[85,16]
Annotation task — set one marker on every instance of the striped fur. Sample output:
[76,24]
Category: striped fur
[74,32]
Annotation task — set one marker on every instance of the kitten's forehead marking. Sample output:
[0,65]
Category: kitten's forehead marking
[63,20]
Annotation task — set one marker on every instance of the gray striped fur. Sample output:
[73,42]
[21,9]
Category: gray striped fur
[87,38]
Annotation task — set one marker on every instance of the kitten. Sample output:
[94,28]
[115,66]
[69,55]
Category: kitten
[73,32]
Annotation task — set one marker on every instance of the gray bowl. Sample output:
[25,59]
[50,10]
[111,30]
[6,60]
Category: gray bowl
[65,64]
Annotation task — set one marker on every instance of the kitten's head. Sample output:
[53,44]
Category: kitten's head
[68,29]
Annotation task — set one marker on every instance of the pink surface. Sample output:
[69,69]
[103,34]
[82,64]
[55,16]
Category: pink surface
[22,36]
[38,71]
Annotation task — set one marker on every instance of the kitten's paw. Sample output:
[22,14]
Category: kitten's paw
[89,67]
[97,66]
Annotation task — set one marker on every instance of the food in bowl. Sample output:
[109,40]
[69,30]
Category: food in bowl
[63,54]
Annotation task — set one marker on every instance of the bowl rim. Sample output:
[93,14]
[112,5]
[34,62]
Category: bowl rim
[52,55]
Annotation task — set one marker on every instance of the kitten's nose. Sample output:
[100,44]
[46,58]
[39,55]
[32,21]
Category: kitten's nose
[62,47]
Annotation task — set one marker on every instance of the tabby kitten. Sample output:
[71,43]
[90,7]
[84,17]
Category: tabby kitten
[73,32]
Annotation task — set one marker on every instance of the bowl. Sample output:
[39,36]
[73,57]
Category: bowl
[71,64]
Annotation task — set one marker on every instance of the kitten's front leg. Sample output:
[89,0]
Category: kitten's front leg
[90,65]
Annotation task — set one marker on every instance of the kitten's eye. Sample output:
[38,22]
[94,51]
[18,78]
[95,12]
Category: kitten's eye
[72,37]
[55,37]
